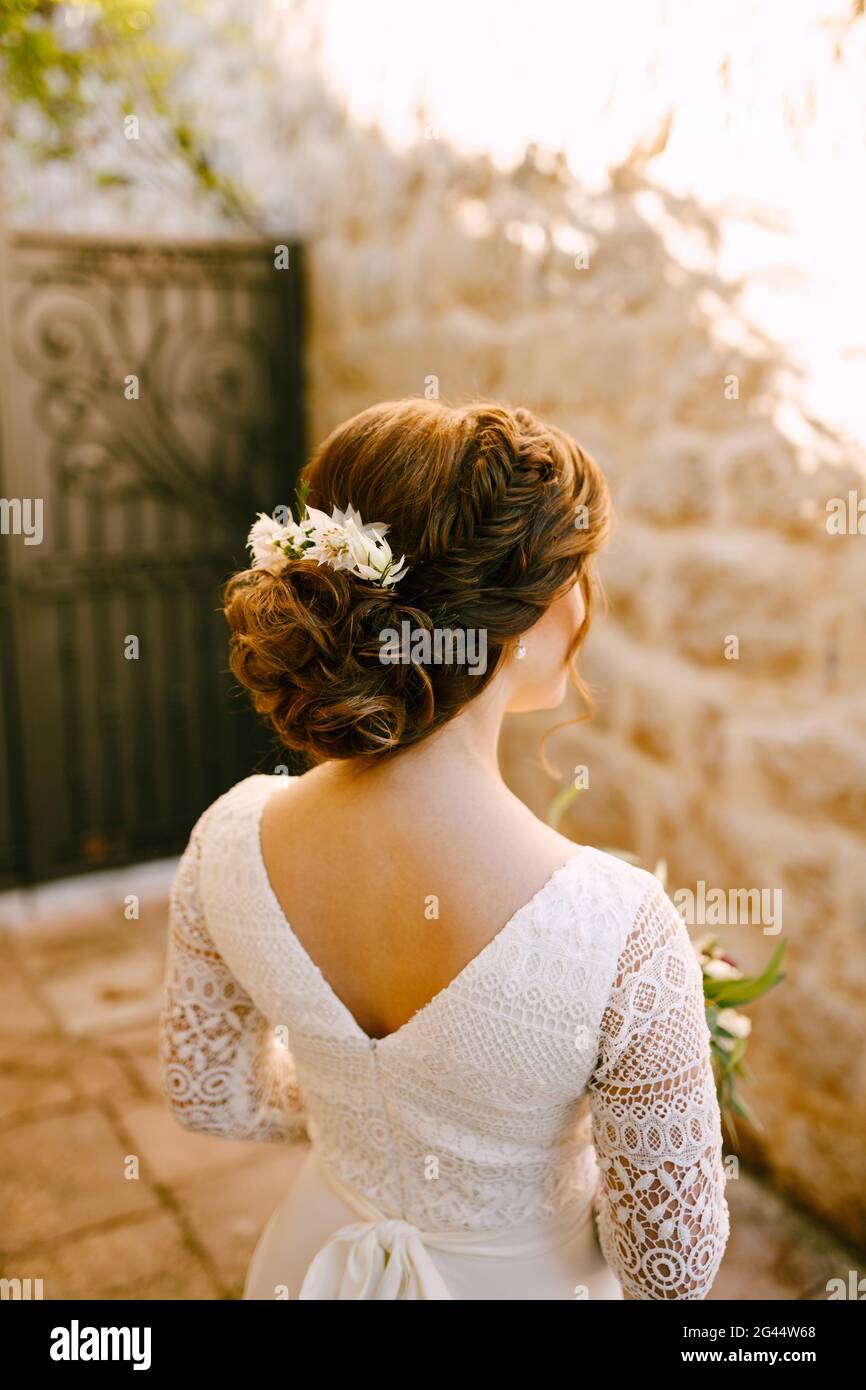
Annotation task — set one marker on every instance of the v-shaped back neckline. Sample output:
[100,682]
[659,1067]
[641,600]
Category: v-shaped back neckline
[516,917]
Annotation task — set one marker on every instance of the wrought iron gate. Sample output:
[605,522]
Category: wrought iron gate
[152,402]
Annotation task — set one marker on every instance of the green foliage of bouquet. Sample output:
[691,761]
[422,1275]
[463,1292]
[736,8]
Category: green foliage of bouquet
[726,991]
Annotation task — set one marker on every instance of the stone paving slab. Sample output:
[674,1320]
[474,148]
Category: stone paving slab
[22,1013]
[171,1153]
[102,993]
[33,1078]
[62,1174]
[229,1210]
[142,1259]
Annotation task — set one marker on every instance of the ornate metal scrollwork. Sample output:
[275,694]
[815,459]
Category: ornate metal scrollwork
[133,398]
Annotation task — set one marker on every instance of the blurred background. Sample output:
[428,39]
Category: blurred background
[227,226]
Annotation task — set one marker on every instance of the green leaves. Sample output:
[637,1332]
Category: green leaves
[730,994]
[728,1050]
[104,61]
[301,495]
[560,804]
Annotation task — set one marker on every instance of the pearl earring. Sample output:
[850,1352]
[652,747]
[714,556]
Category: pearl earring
[520,651]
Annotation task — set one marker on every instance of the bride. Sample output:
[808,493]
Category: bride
[493,1039]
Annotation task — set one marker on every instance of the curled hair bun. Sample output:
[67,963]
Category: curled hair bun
[482,500]
[306,643]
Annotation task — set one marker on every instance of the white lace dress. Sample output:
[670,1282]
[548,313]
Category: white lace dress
[546,1127]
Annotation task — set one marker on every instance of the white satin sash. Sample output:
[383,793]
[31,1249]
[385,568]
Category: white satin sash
[380,1257]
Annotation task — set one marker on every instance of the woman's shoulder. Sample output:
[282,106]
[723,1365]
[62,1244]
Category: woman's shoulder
[590,870]
[609,889]
[624,873]
[239,802]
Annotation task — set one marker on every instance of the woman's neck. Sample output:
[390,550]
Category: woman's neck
[463,752]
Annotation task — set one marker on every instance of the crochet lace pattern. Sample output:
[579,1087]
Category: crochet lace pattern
[568,1062]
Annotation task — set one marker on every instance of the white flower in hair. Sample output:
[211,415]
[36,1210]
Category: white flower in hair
[340,540]
[266,540]
[343,541]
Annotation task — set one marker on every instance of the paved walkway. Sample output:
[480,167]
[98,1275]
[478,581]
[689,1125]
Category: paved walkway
[104,1196]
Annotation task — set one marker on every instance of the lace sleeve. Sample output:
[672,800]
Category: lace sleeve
[662,1213]
[224,1070]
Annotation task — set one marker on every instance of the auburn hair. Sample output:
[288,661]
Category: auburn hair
[497,515]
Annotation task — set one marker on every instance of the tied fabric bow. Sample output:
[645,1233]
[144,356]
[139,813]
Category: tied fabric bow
[374,1260]
[381,1257]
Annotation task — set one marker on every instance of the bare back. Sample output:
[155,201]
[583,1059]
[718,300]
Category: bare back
[389,911]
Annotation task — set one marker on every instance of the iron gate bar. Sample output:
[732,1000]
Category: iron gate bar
[146,507]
